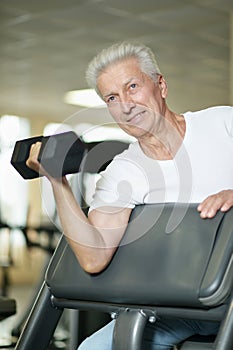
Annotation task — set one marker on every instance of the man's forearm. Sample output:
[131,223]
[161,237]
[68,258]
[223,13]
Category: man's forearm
[84,238]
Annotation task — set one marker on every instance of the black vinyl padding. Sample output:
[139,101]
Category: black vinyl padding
[169,256]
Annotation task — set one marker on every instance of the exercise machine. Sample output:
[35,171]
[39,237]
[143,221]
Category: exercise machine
[170,263]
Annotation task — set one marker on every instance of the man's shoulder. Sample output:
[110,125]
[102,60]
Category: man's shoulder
[211,111]
[217,115]
[217,120]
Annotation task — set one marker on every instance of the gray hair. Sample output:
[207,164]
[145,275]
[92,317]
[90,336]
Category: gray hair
[119,52]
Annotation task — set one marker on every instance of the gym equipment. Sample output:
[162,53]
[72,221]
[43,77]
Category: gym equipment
[48,245]
[185,273]
[7,307]
[6,261]
[60,154]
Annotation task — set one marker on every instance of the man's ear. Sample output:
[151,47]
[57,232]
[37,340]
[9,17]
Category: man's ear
[163,86]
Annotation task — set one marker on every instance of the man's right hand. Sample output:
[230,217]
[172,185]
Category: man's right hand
[32,161]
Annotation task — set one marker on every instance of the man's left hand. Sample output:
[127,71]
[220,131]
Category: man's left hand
[222,200]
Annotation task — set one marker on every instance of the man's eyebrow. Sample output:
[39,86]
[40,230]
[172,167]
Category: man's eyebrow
[128,81]
[109,94]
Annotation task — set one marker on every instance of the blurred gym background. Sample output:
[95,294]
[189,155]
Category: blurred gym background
[45,48]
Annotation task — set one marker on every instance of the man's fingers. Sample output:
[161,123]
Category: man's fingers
[211,205]
[32,161]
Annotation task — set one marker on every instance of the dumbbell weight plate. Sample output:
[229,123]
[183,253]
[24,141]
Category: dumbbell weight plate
[20,155]
[61,154]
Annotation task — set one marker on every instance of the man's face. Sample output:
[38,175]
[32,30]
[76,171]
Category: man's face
[135,101]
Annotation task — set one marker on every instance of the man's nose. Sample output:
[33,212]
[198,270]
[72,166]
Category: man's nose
[127,104]
[126,107]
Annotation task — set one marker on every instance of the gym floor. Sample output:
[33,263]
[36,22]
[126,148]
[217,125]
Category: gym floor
[22,282]
[24,294]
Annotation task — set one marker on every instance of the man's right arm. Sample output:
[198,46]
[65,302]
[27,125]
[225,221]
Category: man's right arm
[93,239]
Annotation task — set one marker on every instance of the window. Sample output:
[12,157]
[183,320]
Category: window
[13,188]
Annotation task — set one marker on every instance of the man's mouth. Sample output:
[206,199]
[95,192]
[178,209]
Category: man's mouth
[136,118]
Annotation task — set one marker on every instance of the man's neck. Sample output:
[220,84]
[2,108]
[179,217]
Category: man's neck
[168,138]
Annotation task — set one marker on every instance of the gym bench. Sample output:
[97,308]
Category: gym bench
[170,263]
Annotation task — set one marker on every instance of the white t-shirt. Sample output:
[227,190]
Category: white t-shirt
[202,166]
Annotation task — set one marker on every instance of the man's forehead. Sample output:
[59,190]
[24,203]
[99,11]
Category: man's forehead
[119,73]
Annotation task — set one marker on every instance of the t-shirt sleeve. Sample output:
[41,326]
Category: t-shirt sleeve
[227,115]
[114,188]
[231,120]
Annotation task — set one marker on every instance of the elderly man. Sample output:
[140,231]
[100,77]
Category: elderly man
[176,158]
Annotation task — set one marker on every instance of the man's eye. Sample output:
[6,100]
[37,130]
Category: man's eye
[133,86]
[111,99]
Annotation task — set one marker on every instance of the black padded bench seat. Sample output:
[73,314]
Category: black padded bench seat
[170,262]
[186,267]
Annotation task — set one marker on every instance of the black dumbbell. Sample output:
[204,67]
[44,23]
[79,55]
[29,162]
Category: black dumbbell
[60,154]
